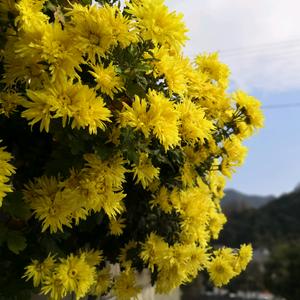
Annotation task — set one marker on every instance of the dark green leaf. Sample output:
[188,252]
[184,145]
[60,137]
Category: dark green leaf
[16,242]
[15,206]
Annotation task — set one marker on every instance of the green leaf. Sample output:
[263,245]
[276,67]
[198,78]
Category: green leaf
[16,242]
[104,151]
[15,206]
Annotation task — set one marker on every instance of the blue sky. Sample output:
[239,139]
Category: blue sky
[260,41]
[273,162]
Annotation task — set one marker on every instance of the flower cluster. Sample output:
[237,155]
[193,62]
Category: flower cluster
[123,146]
[81,274]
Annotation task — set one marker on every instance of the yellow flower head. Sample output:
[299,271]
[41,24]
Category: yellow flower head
[157,24]
[252,109]
[173,68]
[244,257]
[123,28]
[123,258]
[188,174]
[198,259]
[125,287]
[103,282]
[66,100]
[194,125]
[92,257]
[144,172]
[155,251]
[9,102]
[6,171]
[59,50]
[52,204]
[220,271]
[216,222]
[30,12]
[38,271]
[235,154]
[21,58]
[136,116]
[7,7]
[162,199]
[76,274]
[217,183]
[217,71]
[107,79]
[164,119]
[98,29]
[53,286]
[101,184]
[117,226]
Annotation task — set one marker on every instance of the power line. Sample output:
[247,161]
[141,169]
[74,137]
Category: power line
[288,55]
[285,43]
[281,105]
[266,51]
[246,50]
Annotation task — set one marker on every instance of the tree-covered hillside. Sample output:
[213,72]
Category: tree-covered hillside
[276,221]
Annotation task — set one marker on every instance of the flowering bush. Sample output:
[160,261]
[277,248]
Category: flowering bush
[115,148]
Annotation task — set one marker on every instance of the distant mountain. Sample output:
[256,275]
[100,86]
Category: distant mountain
[235,201]
[277,221]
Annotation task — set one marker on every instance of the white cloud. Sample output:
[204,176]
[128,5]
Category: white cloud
[266,30]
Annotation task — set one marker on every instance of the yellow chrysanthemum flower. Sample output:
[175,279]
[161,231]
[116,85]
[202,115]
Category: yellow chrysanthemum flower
[157,24]
[116,226]
[112,168]
[124,260]
[6,170]
[97,29]
[235,154]
[252,107]
[136,116]
[66,100]
[172,67]
[217,184]
[122,27]
[244,257]
[101,184]
[103,282]
[144,172]
[164,119]
[220,271]
[107,79]
[9,102]
[39,271]
[76,274]
[217,71]
[22,59]
[58,49]
[198,259]
[52,204]
[194,125]
[216,222]
[154,251]
[194,205]
[162,199]
[188,174]
[53,287]
[92,257]
[7,7]
[125,287]
[30,11]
